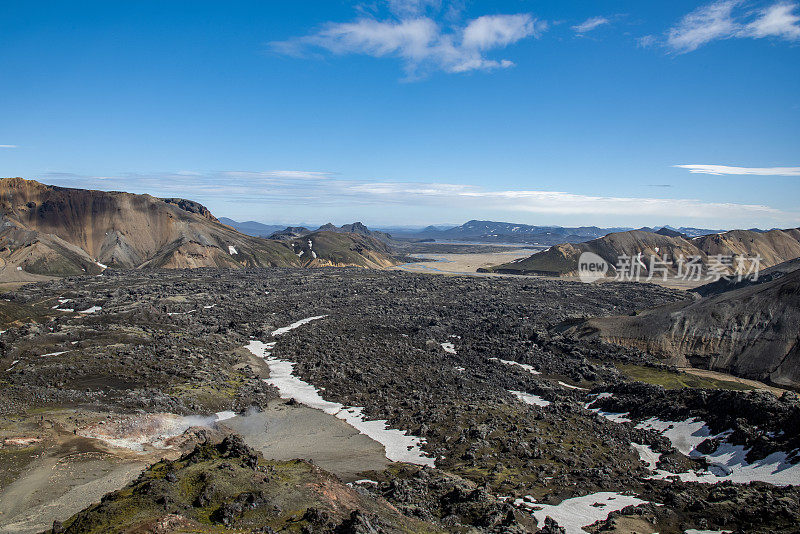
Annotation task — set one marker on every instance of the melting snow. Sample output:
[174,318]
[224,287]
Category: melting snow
[15,362]
[55,353]
[614,417]
[529,398]
[223,415]
[93,309]
[611,416]
[684,435]
[449,347]
[578,512]
[570,386]
[232,250]
[101,265]
[298,324]
[647,455]
[399,446]
[525,366]
[63,301]
[727,463]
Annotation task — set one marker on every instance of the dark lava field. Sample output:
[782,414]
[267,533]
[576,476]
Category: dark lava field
[434,356]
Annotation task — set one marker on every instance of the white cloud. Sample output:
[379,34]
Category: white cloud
[758,171]
[8,146]
[493,31]
[705,24]
[420,42]
[590,24]
[562,203]
[724,20]
[778,20]
[305,193]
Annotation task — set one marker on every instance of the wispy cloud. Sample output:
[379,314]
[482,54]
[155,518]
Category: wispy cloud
[727,19]
[725,169]
[705,24]
[590,24]
[315,190]
[8,146]
[413,8]
[418,40]
[269,175]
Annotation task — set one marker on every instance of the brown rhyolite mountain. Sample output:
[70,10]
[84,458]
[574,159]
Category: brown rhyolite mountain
[752,330]
[774,247]
[61,231]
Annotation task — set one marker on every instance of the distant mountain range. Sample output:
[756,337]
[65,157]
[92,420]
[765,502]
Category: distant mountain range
[272,231]
[504,232]
[48,230]
[253,228]
[471,231]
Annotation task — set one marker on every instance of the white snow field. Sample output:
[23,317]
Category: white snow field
[684,435]
[728,462]
[647,455]
[578,512]
[297,324]
[529,398]
[611,416]
[525,366]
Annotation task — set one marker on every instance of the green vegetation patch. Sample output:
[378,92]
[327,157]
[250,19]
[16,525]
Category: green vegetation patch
[677,380]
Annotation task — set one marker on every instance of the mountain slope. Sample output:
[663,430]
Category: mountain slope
[336,249]
[774,247]
[59,231]
[293,232]
[227,487]
[752,332]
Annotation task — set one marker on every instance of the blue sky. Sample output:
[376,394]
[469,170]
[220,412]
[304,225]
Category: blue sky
[413,112]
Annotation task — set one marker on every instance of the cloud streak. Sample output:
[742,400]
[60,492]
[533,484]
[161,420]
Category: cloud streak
[726,19]
[590,24]
[8,146]
[419,42]
[756,171]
